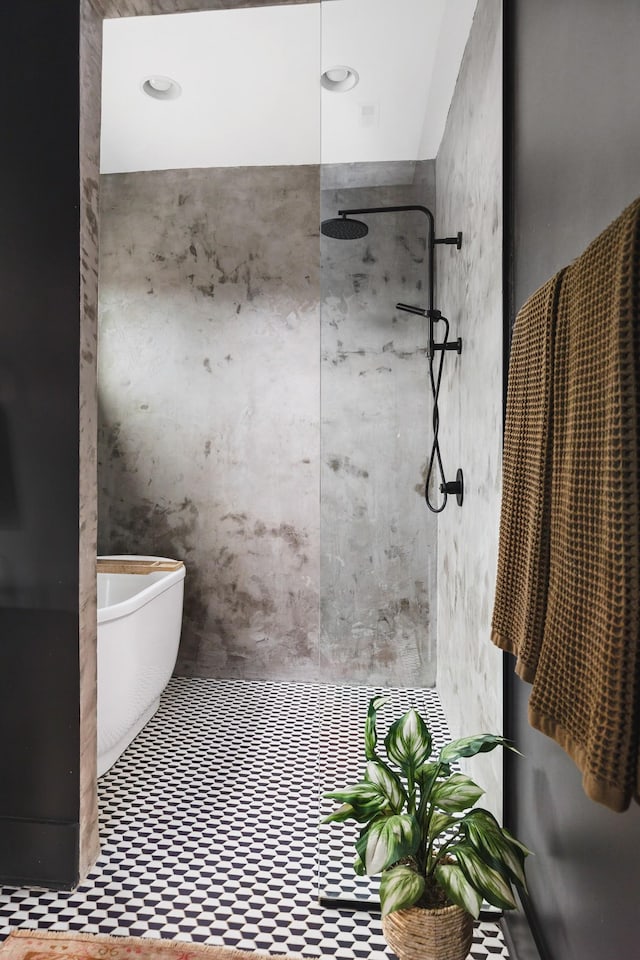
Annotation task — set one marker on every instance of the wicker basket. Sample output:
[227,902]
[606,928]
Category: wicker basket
[421,934]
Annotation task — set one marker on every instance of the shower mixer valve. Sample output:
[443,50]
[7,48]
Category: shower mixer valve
[455,487]
[453,345]
[433,315]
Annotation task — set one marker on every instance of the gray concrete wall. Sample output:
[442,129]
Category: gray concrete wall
[211,448]
[209,399]
[90,67]
[469,189]
[378,540]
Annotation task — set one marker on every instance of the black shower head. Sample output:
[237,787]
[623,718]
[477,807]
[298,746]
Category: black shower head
[344,228]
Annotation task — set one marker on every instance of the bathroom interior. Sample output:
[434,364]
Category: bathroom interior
[265,411]
[266,416]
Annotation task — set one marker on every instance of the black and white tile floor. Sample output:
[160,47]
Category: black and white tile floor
[209,827]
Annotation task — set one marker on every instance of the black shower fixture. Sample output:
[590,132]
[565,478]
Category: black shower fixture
[344,227]
[433,315]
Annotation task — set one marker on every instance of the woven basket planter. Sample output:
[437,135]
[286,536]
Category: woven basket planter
[421,934]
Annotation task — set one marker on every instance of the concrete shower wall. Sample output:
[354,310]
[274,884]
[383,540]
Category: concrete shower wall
[469,188]
[209,400]
[378,539]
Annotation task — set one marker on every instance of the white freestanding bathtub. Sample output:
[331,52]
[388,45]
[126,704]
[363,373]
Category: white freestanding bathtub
[139,623]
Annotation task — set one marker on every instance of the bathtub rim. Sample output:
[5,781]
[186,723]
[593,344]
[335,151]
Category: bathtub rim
[125,608]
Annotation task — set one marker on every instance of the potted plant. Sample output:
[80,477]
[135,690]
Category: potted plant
[438,854]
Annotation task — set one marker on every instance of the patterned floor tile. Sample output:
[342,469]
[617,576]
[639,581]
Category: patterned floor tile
[209,827]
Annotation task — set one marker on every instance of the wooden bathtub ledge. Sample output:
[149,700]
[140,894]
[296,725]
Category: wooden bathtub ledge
[105,565]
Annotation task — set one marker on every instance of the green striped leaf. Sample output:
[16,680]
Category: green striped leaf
[358,866]
[458,889]
[387,841]
[516,843]
[487,880]
[370,735]
[440,822]
[408,742]
[456,794]
[380,774]
[366,799]
[345,812]
[470,746]
[428,773]
[487,837]
[400,887]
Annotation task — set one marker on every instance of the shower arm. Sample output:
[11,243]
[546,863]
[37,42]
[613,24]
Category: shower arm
[431,241]
[433,314]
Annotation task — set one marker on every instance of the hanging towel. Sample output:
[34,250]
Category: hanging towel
[523,553]
[583,609]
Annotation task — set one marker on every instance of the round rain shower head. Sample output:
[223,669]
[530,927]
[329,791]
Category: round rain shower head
[344,228]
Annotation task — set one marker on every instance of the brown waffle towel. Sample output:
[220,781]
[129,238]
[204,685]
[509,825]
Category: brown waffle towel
[523,558]
[568,590]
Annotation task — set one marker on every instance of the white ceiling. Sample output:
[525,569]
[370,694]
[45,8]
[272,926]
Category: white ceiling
[251,91]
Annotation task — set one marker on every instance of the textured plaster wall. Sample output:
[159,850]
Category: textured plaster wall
[221,441]
[209,397]
[469,190]
[91,13]
[90,65]
[378,540]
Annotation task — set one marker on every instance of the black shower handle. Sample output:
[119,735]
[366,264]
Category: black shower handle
[455,486]
[433,314]
[457,240]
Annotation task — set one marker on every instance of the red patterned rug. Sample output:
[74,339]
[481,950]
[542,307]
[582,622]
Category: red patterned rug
[43,945]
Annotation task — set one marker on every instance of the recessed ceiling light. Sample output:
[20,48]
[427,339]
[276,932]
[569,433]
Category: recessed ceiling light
[161,88]
[339,79]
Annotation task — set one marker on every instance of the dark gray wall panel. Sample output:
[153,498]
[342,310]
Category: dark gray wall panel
[576,165]
[577,127]
[39,362]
